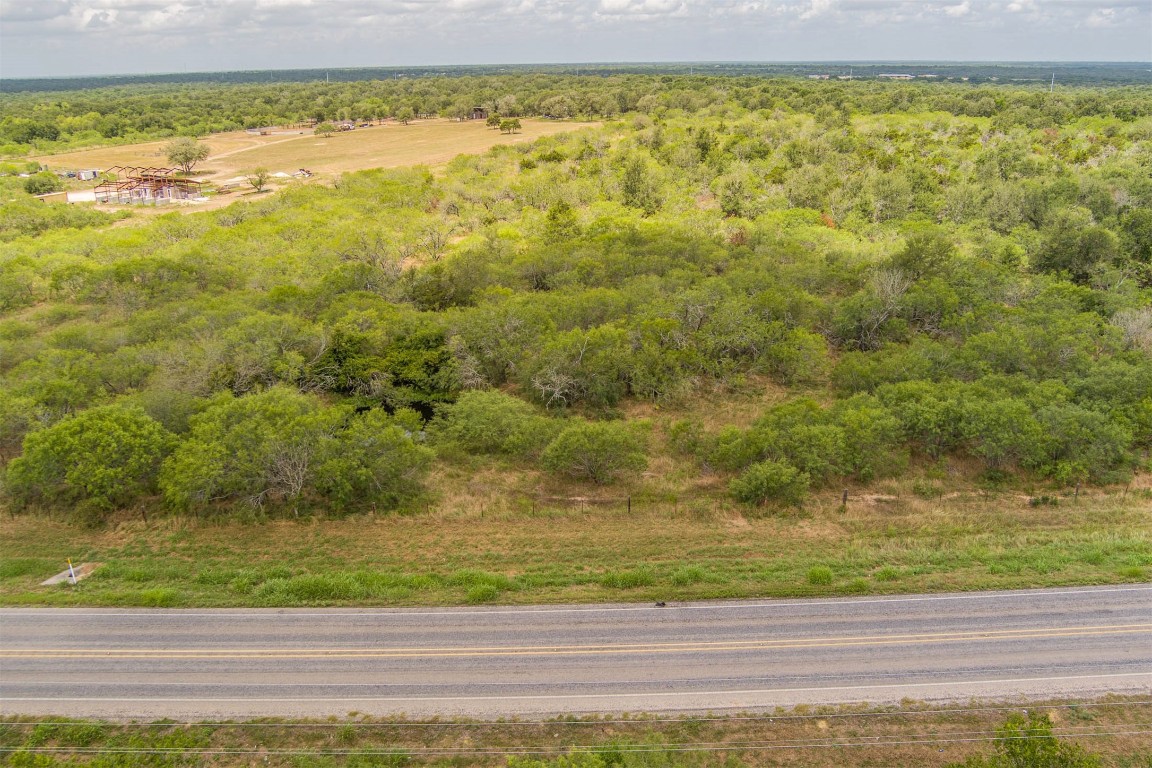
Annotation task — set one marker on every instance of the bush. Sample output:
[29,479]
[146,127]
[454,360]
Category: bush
[42,184]
[1027,741]
[771,481]
[597,451]
[493,422]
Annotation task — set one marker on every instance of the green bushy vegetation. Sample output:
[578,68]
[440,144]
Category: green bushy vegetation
[915,273]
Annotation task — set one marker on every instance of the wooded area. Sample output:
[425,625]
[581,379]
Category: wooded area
[929,278]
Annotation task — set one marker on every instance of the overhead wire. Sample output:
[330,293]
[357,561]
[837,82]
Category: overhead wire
[433,752]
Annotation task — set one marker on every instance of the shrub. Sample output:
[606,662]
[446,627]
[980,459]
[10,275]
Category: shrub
[771,481]
[42,184]
[596,451]
[1027,741]
[493,422]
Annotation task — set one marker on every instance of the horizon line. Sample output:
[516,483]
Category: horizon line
[651,63]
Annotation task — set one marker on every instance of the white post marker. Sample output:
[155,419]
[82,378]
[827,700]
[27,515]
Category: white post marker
[71,573]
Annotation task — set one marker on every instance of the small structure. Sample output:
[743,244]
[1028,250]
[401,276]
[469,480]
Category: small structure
[147,186]
[479,113]
[72,575]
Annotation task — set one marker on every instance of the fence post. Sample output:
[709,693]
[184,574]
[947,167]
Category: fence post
[844,500]
[629,505]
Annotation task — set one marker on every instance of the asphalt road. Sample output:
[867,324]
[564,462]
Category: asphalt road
[492,662]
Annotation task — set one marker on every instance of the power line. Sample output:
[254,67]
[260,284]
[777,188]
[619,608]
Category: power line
[686,747]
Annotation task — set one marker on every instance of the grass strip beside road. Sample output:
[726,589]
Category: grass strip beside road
[658,553]
[1115,728]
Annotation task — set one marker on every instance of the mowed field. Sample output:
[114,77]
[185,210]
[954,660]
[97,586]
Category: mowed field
[427,142]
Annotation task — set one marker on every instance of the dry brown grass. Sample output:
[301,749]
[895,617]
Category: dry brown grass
[429,142]
[557,543]
[912,735]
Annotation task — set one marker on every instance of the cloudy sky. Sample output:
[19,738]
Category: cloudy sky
[72,37]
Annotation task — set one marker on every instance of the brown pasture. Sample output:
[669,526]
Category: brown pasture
[427,142]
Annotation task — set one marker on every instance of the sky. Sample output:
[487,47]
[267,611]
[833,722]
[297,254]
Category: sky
[47,38]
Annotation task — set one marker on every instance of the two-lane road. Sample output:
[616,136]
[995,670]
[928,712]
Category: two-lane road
[491,662]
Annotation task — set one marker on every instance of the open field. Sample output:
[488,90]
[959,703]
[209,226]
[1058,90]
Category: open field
[428,142]
[552,552]
[1114,728]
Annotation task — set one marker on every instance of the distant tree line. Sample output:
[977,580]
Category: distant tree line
[52,121]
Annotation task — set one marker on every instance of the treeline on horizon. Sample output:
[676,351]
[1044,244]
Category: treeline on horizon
[42,123]
[1068,73]
[924,290]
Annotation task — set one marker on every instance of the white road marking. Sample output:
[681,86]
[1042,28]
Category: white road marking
[336,612]
[661,694]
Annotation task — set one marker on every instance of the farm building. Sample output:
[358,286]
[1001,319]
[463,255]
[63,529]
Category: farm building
[479,113]
[145,186]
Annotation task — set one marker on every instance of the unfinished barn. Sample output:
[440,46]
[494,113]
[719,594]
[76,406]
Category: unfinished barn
[145,186]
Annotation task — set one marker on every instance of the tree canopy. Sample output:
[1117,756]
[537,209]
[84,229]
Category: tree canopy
[774,289]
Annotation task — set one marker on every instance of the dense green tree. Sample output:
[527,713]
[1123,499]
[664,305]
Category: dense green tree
[925,253]
[1075,246]
[375,462]
[638,187]
[260,449]
[107,457]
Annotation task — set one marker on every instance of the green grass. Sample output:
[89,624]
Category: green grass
[673,553]
[820,575]
[360,741]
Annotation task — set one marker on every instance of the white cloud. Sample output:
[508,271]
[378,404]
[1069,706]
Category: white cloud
[39,35]
[961,9]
